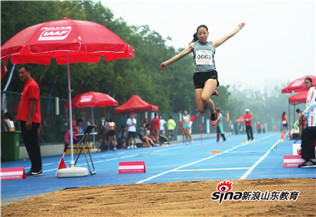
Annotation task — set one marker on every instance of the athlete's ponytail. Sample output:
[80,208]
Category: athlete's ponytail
[195,38]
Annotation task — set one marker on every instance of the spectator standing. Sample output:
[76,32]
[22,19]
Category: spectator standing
[285,125]
[186,118]
[259,127]
[248,124]
[131,123]
[232,129]
[310,110]
[171,125]
[182,130]
[123,136]
[29,114]
[301,122]
[220,130]
[156,127]
[263,128]
[192,120]
[162,125]
[111,134]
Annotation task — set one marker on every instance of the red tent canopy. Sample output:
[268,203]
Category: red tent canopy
[298,84]
[240,119]
[298,98]
[92,99]
[135,104]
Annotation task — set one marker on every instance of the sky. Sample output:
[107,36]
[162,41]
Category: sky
[276,46]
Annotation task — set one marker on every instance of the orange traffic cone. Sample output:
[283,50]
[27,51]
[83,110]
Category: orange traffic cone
[282,137]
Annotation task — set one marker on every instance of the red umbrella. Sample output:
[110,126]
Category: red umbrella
[298,84]
[85,42]
[92,100]
[68,41]
[298,98]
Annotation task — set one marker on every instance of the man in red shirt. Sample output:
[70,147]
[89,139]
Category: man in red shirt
[248,124]
[156,127]
[29,115]
[259,127]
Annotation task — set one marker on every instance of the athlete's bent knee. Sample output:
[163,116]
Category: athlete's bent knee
[205,97]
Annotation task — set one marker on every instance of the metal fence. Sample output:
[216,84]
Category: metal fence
[55,118]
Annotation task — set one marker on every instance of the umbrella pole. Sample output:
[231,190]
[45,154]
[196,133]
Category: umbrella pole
[93,128]
[72,163]
[71,171]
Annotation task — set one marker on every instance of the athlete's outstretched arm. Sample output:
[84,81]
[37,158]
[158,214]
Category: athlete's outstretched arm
[177,57]
[220,41]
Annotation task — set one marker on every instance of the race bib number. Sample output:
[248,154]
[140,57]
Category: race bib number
[203,57]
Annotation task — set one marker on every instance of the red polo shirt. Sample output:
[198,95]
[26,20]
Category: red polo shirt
[156,123]
[247,118]
[30,91]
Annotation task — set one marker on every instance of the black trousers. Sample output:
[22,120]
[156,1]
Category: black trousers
[32,146]
[249,132]
[308,137]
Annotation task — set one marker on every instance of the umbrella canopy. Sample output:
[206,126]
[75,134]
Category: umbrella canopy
[85,42]
[298,98]
[298,84]
[135,104]
[68,41]
[240,119]
[92,100]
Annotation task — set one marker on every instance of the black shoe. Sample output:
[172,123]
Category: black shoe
[307,164]
[39,173]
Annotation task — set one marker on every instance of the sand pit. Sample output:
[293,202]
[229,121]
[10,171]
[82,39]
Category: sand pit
[169,199]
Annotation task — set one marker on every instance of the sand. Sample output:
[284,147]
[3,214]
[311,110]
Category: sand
[170,199]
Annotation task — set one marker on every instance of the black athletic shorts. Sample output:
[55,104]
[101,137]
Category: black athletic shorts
[131,135]
[199,78]
[111,132]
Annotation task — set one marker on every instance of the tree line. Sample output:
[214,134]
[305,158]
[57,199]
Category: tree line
[172,90]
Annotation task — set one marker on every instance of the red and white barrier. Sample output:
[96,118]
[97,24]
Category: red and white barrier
[292,160]
[132,167]
[12,173]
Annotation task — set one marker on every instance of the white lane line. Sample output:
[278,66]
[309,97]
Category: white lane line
[213,169]
[111,159]
[172,170]
[263,157]
[195,162]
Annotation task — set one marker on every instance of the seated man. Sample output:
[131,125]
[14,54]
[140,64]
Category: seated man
[143,135]
[308,147]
